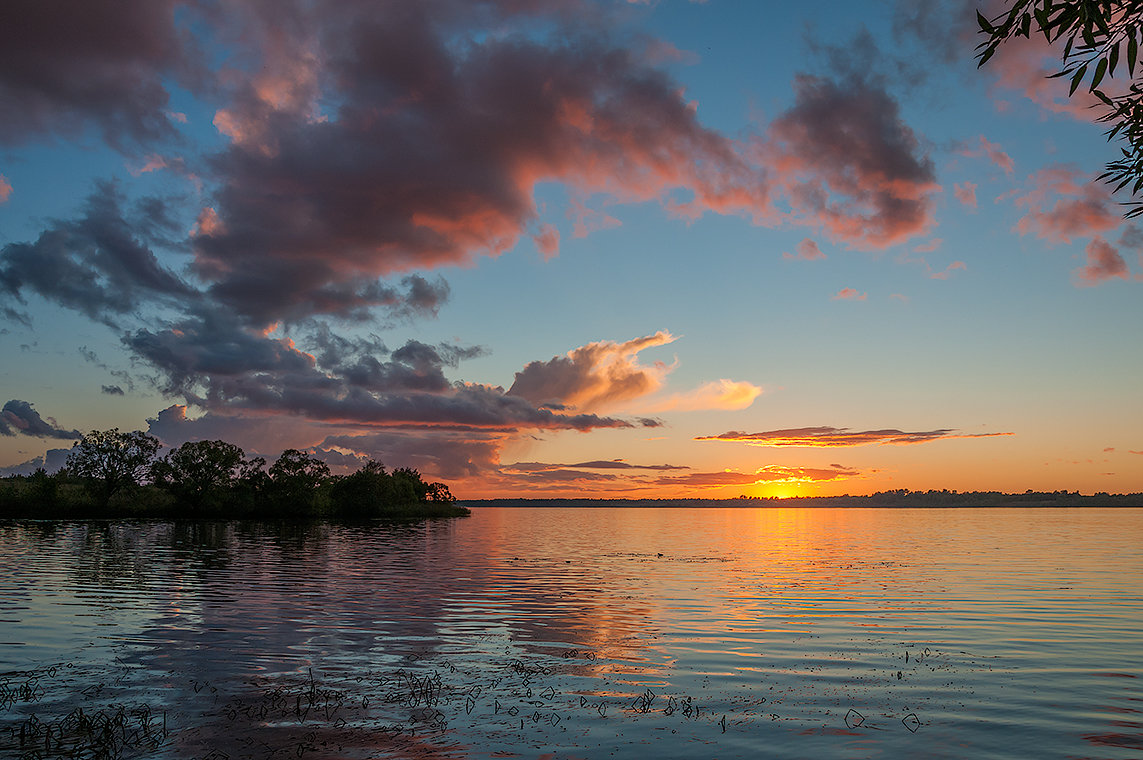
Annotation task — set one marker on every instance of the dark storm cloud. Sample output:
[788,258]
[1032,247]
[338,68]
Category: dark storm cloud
[100,264]
[67,66]
[20,417]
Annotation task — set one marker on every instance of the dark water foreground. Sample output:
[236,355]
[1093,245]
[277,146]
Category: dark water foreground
[543,633]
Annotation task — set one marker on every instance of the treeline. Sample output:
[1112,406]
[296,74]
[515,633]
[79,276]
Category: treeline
[114,474]
[899,498]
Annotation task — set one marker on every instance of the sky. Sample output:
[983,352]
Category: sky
[567,248]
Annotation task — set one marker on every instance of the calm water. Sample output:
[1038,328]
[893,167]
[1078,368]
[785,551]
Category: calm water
[547,633]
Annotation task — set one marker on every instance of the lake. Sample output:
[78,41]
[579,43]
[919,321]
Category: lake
[579,633]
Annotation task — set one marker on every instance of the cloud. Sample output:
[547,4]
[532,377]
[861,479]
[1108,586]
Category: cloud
[20,417]
[849,165]
[993,152]
[1062,204]
[441,454]
[101,264]
[51,461]
[112,390]
[831,437]
[930,246]
[1026,65]
[1103,263]
[218,364]
[718,394]
[5,189]
[368,141]
[849,294]
[547,241]
[768,474]
[446,117]
[597,375]
[609,464]
[807,250]
[944,29]
[948,270]
[965,192]
[98,64]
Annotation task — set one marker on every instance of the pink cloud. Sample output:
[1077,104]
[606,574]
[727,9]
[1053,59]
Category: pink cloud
[5,189]
[1061,204]
[1026,65]
[807,250]
[1103,263]
[965,192]
[154,163]
[993,152]
[930,246]
[547,241]
[948,270]
[849,294]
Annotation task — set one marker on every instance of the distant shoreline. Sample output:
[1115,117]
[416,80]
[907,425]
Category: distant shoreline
[885,500]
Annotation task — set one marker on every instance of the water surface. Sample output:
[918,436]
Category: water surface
[580,633]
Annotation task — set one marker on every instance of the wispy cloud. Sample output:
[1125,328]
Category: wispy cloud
[718,394]
[764,475]
[965,192]
[1061,203]
[817,437]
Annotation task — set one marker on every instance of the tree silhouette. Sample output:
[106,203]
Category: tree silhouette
[110,460]
[199,471]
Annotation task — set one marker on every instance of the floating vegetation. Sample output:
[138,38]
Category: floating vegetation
[423,706]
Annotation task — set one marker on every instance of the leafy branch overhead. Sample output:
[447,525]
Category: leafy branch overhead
[1100,38]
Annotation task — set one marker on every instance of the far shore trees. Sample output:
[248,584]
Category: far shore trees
[113,474]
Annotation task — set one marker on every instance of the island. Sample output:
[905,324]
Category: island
[112,474]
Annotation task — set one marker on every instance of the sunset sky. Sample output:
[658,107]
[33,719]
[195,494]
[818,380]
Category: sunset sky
[567,248]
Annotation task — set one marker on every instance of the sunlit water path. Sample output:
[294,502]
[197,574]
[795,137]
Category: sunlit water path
[564,633]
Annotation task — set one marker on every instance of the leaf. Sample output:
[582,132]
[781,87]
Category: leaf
[985,56]
[1113,59]
[1077,78]
[985,27]
[1132,54]
[1097,77]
